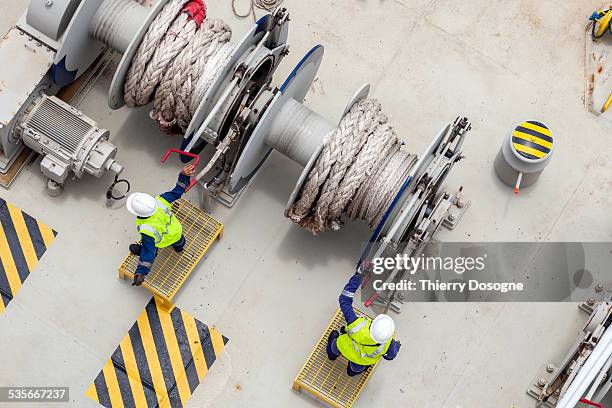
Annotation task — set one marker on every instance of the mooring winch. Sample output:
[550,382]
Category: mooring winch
[219,94]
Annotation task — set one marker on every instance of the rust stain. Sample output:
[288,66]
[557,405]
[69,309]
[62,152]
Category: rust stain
[238,387]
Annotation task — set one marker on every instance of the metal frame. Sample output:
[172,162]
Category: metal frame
[420,190]
[295,86]
[549,387]
[244,48]
[78,50]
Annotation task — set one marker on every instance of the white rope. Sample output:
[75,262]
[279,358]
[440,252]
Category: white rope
[267,5]
[358,172]
[215,64]
[189,77]
[176,63]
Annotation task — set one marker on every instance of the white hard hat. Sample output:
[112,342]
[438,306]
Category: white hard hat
[382,328]
[141,204]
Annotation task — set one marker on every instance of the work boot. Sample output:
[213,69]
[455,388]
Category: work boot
[135,249]
[179,249]
[332,336]
[352,373]
[138,279]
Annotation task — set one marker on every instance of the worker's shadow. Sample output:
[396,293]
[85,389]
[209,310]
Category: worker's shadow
[507,192]
[140,133]
[333,247]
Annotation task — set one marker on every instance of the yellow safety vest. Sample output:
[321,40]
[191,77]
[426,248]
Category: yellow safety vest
[358,346]
[162,226]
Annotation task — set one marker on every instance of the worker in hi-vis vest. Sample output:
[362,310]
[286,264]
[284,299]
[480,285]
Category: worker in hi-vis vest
[363,341]
[158,227]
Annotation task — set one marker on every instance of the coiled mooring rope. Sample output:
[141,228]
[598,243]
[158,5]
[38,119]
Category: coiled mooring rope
[177,61]
[358,172]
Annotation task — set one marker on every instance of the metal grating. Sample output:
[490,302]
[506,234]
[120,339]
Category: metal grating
[171,269]
[327,380]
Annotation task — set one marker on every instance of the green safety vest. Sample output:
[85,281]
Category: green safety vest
[358,346]
[162,226]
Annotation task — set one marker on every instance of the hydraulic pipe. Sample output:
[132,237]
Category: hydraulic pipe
[600,354]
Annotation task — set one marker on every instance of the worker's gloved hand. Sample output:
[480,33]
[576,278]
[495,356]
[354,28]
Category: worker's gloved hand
[188,170]
[363,269]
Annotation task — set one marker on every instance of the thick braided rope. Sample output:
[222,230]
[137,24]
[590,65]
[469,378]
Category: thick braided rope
[176,63]
[376,147]
[327,159]
[366,118]
[374,197]
[181,31]
[173,98]
[203,77]
[358,172]
[176,79]
[371,189]
[220,56]
[150,43]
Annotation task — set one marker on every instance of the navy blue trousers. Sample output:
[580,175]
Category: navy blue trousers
[352,369]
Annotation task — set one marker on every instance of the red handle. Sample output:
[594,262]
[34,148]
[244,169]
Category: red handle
[184,153]
[371,299]
[586,401]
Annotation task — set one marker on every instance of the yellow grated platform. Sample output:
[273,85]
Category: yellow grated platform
[171,269]
[327,380]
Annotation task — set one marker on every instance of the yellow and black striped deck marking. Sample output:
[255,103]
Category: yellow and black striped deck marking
[160,362]
[23,241]
[532,140]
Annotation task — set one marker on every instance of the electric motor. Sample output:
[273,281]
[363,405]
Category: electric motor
[69,140]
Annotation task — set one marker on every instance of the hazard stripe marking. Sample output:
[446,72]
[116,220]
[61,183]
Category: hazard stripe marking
[521,148]
[23,242]
[538,127]
[533,145]
[532,140]
[160,362]
[143,368]
[521,135]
